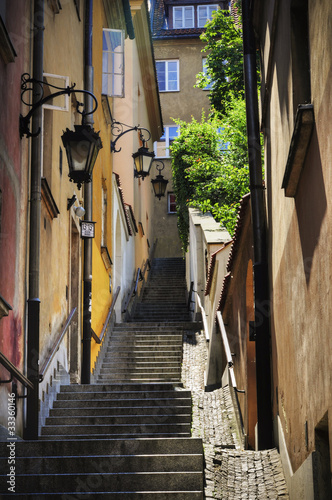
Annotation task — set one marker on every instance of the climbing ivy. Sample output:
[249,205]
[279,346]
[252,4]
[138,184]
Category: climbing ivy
[209,171]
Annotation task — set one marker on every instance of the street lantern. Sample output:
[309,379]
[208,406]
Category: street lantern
[143,159]
[82,147]
[159,184]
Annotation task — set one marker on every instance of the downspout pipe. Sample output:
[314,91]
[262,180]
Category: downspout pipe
[259,225]
[31,429]
[88,193]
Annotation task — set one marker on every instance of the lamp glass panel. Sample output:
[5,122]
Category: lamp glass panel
[80,154]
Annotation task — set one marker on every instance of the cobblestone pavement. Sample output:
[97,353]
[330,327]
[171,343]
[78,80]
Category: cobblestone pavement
[231,473]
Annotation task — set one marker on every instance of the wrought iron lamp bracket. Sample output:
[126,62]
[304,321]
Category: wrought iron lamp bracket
[29,84]
[119,129]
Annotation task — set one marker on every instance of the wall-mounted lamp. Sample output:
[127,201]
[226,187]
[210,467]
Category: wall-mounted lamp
[82,145]
[143,157]
[159,184]
[79,211]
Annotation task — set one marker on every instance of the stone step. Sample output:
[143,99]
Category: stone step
[143,377]
[138,341]
[131,363]
[143,395]
[132,388]
[142,357]
[147,348]
[97,411]
[139,446]
[118,432]
[104,482]
[146,419]
[50,464]
[143,368]
[116,402]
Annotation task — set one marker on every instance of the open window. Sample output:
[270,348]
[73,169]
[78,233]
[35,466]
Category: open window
[113,63]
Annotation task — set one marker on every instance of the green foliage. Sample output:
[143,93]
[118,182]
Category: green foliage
[224,47]
[209,171]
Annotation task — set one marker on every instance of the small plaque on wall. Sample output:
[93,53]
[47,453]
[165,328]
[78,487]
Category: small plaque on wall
[87,229]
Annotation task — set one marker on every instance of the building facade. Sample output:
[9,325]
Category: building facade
[295,45]
[176,30]
[56,285]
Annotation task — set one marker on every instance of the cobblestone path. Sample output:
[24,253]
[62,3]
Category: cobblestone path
[231,473]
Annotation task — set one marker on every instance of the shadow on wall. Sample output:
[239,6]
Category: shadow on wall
[311,204]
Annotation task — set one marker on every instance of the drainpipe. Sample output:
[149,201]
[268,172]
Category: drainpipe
[31,430]
[87,263]
[258,215]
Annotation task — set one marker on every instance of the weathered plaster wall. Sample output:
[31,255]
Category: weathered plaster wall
[300,235]
[13,186]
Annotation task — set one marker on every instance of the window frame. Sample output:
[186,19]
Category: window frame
[204,71]
[214,7]
[183,18]
[169,211]
[167,141]
[167,61]
[113,74]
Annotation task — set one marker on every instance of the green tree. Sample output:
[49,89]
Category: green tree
[209,168]
[224,66]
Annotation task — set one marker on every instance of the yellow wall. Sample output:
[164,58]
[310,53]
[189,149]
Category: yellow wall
[102,177]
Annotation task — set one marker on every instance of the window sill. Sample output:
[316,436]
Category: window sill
[48,199]
[304,124]
[106,257]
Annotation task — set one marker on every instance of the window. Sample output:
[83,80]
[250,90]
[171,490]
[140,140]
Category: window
[171,203]
[113,63]
[204,14]
[161,147]
[209,85]
[168,75]
[183,17]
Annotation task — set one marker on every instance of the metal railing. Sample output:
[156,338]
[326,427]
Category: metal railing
[229,357]
[190,301]
[14,372]
[205,325]
[55,346]
[133,290]
[99,338]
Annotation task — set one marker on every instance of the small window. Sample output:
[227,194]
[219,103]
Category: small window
[209,85]
[183,17]
[171,203]
[204,14]
[113,63]
[60,103]
[168,75]
[161,147]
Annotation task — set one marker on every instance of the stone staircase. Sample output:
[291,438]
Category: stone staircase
[125,436]
[164,296]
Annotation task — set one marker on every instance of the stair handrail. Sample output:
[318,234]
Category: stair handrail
[14,372]
[191,291]
[99,338]
[54,348]
[133,289]
[229,357]
[204,320]
[140,276]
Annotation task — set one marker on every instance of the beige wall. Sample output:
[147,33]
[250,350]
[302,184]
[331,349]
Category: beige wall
[183,104]
[300,232]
